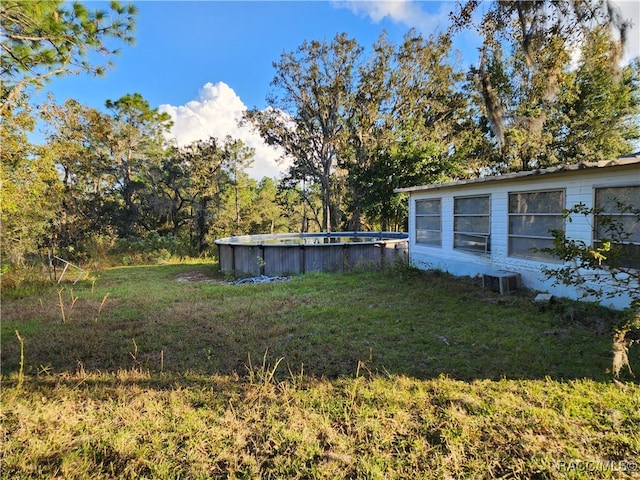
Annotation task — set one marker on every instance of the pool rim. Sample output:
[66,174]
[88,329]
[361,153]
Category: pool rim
[257,240]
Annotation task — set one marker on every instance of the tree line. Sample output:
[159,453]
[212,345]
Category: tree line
[355,121]
[110,181]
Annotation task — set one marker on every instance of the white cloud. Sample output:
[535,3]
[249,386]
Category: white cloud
[405,12]
[216,113]
[411,14]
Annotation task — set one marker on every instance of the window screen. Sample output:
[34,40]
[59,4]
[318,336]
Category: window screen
[618,220]
[429,222]
[532,218]
[472,224]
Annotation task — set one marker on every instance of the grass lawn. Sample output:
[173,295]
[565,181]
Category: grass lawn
[137,373]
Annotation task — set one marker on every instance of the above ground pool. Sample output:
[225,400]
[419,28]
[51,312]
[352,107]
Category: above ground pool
[294,253]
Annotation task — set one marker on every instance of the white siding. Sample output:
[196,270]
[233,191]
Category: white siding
[579,188]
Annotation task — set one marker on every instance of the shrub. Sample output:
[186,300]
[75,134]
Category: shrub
[605,262]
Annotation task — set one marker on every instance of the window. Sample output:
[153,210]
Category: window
[428,222]
[618,219]
[532,217]
[471,224]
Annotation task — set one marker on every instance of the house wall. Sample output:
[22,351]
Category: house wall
[579,188]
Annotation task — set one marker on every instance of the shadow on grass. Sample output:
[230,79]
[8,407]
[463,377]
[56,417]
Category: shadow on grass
[326,326]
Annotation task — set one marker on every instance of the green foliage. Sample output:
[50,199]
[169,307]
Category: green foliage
[104,161]
[119,179]
[404,127]
[150,377]
[549,86]
[208,179]
[267,215]
[22,282]
[599,105]
[313,90]
[31,190]
[604,269]
[44,39]
[147,250]
[239,194]
[358,125]
[394,320]
[133,141]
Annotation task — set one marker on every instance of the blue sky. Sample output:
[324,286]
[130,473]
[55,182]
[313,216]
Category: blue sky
[205,62]
[181,45]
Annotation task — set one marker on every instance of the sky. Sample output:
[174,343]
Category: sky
[206,62]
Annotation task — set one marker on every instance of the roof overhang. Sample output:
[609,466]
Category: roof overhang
[560,169]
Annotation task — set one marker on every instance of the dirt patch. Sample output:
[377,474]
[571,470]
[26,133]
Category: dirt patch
[197,277]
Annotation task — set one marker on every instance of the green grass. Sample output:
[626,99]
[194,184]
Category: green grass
[394,374]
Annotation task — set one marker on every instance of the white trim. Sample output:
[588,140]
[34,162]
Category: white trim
[578,185]
[559,170]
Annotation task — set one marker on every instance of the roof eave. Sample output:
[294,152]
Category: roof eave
[623,161]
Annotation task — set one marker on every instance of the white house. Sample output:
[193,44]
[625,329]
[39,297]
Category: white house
[484,225]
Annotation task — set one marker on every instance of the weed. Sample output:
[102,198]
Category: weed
[371,389]
[63,310]
[262,376]
[104,300]
[21,368]
[134,356]
[328,323]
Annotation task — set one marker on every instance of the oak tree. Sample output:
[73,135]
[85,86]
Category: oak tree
[312,89]
[527,80]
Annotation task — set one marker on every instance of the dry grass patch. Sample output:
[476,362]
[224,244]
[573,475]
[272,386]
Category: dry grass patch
[396,374]
[131,425]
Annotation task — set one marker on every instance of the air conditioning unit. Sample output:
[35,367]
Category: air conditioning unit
[502,282]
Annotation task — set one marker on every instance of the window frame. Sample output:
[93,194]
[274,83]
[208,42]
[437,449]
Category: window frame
[486,236]
[429,215]
[533,255]
[630,245]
